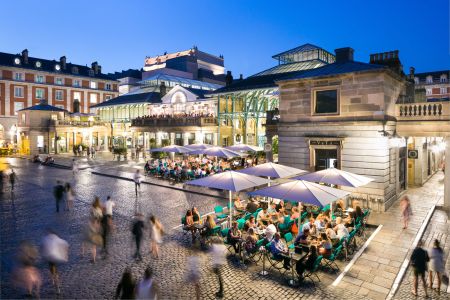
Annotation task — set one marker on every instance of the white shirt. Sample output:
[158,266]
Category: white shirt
[341,231]
[270,231]
[109,204]
[137,177]
[218,252]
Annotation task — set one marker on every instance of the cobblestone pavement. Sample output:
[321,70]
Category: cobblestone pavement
[438,228]
[27,213]
[375,271]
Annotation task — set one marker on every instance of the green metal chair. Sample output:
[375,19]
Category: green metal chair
[241,223]
[313,272]
[289,240]
[329,262]
[218,210]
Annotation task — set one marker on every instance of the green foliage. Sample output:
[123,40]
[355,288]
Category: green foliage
[275,145]
[120,151]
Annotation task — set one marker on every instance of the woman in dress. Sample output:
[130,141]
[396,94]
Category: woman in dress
[436,264]
[156,231]
[96,210]
[405,206]
[91,238]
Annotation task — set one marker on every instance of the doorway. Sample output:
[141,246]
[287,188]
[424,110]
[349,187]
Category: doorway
[325,158]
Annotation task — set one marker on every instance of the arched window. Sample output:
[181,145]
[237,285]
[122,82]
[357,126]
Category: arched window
[443,78]
[179,102]
[429,79]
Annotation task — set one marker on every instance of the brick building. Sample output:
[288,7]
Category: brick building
[435,86]
[25,81]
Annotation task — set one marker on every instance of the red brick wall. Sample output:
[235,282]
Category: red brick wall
[114,86]
[14,99]
[68,81]
[101,85]
[29,77]
[85,84]
[7,74]
[50,79]
[33,91]
[2,98]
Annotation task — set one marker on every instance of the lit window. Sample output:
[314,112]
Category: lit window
[108,86]
[443,90]
[39,93]
[39,78]
[17,106]
[18,91]
[429,79]
[59,95]
[77,96]
[59,81]
[93,84]
[76,83]
[326,102]
[428,92]
[55,116]
[108,97]
[40,141]
[18,76]
[23,118]
[93,98]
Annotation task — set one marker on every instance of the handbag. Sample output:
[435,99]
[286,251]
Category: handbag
[445,279]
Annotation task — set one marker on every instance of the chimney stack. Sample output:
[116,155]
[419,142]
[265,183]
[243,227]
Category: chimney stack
[241,77]
[162,89]
[99,69]
[344,54]
[25,56]
[390,59]
[228,78]
[62,61]
[94,66]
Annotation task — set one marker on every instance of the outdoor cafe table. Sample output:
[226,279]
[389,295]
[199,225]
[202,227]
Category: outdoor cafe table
[295,257]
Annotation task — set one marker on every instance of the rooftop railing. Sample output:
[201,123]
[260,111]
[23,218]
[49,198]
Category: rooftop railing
[167,122]
[426,111]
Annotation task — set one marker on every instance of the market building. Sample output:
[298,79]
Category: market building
[26,80]
[170,104]
[360,117]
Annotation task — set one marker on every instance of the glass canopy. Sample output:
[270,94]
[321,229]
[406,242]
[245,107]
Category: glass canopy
[171,81]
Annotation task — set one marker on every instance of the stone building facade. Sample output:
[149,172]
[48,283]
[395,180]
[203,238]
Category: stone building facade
[344,115]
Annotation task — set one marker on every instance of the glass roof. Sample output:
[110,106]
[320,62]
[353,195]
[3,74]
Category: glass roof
[291,67]
[171,80]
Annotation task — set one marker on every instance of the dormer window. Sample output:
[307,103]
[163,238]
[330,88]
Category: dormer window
[74,70]
[416,80]
[38,64]
[443,78]
[17,61]
[429,79]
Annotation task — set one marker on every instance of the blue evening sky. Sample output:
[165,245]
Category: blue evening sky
[119,34]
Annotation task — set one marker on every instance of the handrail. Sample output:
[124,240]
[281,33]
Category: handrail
[201,121]
[423,111]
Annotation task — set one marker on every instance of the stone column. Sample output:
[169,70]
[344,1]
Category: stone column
[269,154]
[185,138]
[215,139]
[172,138]
[447,175]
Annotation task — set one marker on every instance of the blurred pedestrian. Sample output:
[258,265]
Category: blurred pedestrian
[91,238]
[12,179]
[58,192]
[74,167]
[156,231]
[2,175]
[137,181]
[193,273]
[96,212]
[55,251]
[70,196]
[126,287]
[138,233]
[109,205]
[218,252]
[419,262]
[147,288]
[105,230]
[437,264]
[26,275]
[405,206]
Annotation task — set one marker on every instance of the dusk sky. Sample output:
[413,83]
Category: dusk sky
[119,34]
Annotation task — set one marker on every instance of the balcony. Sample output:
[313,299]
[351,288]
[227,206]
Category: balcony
[76,123]
[423,119]
[173,122]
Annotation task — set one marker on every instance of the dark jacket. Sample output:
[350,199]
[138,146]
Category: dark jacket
[420,259]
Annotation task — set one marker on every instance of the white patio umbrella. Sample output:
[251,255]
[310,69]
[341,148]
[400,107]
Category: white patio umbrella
[231,181]
[336,177]
[172,149]
[217,151]
[301,191]
[272,170]
[198,146]
[244,148]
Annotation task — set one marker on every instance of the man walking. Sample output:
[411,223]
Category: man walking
[138,232]
[12,179]
[137,181]
[58,192]
[419,262]
[106,229]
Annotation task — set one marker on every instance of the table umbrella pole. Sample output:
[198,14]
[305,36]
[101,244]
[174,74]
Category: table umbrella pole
[299,216]
[331,210]
[231,208]
[268,198]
